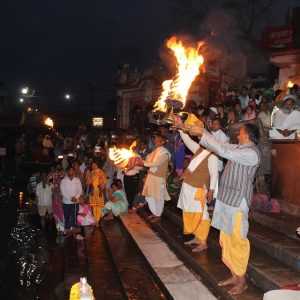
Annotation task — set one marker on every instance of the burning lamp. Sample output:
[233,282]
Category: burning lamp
[175,91]
[123,158]
[49,122]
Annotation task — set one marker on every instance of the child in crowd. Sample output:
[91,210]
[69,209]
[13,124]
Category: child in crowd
[117,203]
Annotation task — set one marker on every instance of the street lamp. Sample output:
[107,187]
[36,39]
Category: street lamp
[21,100]
[67,96]
[24,90]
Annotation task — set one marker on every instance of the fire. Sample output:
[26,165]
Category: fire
[121,156]
[189,62]
[49,122]
[290,84]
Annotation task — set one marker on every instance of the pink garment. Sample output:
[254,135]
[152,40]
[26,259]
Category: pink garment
[57,207]
[87,218]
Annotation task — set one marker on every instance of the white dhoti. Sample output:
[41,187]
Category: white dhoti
[155,192]
[282,295]
[156,206]
[188,203]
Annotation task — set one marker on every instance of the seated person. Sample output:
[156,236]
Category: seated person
[117,203]
[286,121]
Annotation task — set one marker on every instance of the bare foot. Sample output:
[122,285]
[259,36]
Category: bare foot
[239,287]
[200,248]
[192,242]
[230,281]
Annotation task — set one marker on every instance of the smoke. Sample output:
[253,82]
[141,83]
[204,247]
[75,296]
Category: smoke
[238,54]
[226,45]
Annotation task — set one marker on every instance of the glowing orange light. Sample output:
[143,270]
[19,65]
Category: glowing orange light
[121,156]
[189,62]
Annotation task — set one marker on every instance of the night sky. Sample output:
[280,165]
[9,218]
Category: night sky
[62,45]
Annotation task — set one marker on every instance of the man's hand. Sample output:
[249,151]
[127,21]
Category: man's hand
[210,196]
[196,130]
[74,199]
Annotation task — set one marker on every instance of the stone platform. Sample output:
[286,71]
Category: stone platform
[274,261]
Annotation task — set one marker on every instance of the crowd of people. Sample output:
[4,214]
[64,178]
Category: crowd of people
[200,168]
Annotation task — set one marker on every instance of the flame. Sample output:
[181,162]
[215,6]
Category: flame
[189,62]
[49,122]
[290,84]
[121,156]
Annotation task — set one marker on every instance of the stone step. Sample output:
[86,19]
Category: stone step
[277,245]
[176,278]
[264,270]
[102,274]
[267,239]
[281,222]
[136,277]
[207,264]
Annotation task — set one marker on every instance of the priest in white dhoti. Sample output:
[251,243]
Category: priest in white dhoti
[200,184]
[285,121]
[155,186]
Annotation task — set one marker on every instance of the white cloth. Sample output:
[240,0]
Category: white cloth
[197,160]
[283,120]
[282,295]
[70,188]
[155,188]
[221,137]
[155,206]
[44,195]
[188,203]
[156,158]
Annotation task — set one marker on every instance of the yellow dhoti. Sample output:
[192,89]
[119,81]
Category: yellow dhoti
[235,249]
[97,203]
[193,222]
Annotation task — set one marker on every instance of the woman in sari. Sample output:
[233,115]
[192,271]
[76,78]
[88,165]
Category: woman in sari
[117,203]
[97,184]
[55,178]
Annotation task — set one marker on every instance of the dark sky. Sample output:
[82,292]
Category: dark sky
[64,44]
[71,42]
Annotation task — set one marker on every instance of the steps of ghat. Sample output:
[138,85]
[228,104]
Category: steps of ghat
[281,222]
[272,254]
[268,239]
[177,280]
[207,264]
[136,276]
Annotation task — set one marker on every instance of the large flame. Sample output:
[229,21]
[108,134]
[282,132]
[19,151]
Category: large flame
[189,62]
[121,156]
